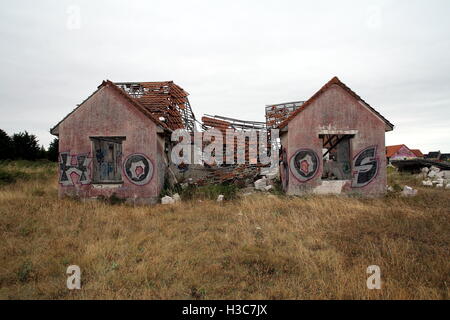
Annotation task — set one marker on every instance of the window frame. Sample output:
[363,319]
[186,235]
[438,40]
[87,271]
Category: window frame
[117,140]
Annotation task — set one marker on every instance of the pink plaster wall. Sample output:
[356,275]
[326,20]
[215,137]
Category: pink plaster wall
[107,113]
[337,109]
[403,153]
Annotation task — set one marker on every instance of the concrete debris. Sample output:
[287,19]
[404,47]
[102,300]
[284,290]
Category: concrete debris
[184,185]
[390,189]
[436,177]
[220,198]
[270,173]
[409,192]
[268,188]
[176,197]
[167,200]
[432,174]
[440,174]
[434,168]
[261,184]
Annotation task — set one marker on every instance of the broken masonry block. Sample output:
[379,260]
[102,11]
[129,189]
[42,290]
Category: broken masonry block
[167,200]
[409,192]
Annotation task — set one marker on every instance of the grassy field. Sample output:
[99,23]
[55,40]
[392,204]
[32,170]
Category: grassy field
[258,247]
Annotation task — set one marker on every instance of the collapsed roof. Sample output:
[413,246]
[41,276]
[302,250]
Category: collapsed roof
[165,103]
[165,100]
[223,123]
[277,113]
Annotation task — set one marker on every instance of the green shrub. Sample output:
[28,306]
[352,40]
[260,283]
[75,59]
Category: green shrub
[11,176]
[210,192]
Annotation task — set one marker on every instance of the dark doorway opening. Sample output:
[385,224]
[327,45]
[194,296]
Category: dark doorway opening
[336,156]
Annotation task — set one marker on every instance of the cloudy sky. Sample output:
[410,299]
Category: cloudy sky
[233,57]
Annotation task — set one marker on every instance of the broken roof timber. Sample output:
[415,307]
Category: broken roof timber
[237,123]
[165,103]
[163,99]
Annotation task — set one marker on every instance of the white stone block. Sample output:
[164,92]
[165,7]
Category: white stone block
[167,200]
[427,183]
[261,184]
[409,192]
[176,197]
[432,174]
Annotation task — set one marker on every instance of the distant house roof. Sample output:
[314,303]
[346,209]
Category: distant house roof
[417,152]
[335,81]
[444,156]
[391,150]
[433,155]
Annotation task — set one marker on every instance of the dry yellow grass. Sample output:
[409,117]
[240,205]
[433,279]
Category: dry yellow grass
[261,247]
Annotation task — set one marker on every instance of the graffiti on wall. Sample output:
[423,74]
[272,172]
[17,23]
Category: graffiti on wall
[304,164]
[365,166]
[403,153]
[74,164]
[138,169]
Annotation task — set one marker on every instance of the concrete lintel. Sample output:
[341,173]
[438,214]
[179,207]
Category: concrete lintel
[335,131]
[106,185]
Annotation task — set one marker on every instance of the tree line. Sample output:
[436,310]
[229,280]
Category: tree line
[25,146]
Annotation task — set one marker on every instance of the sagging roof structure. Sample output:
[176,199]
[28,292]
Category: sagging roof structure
[223,123]
[167,104]
[277,113]
[164,102]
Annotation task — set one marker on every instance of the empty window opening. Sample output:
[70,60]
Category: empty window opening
[336,157]
[107,159]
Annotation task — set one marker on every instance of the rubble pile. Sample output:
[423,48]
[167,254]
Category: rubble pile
[435,177]
[243,174]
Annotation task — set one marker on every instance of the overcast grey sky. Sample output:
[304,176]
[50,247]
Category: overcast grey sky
[233,57]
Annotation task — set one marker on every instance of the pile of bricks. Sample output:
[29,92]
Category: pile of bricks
[243,174]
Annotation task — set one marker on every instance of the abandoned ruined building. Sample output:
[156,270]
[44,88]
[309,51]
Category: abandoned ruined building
[118,142]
